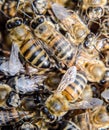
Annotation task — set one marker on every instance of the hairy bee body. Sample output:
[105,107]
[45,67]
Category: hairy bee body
[71,23]
[59,102]
[29,47]
[75,89]
[60,46]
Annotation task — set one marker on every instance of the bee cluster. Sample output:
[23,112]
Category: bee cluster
[54,64]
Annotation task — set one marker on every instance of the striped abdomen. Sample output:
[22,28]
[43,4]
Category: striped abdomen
[74,90]
[11,116]
[62,48]
[35,54]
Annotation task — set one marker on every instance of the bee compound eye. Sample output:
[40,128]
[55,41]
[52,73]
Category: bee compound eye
[40,20]
[9,25]
[18,22]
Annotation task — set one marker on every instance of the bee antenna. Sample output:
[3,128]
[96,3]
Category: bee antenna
[98,51]
[4,14]
[25,14]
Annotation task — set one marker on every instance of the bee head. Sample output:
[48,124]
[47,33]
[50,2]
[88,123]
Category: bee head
[14,22]
[35,23]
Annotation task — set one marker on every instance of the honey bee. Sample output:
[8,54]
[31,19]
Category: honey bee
[12,116]
[8,97]
[68,92]
[25,84]
[29,47]
[60,46]
[94,9]
[71,23]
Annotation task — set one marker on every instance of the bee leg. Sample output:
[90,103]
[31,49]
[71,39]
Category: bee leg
[27,68]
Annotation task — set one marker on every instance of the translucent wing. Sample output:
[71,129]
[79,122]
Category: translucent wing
[27,85]
[14,65]
[68,78]
[105,94]
[59,11]
[85,104]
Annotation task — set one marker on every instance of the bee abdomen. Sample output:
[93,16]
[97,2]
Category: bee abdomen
[35,55]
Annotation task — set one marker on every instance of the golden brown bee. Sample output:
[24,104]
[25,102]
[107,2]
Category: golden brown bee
[8,97]
[69,90]
[94,9]
[71,23]
[60,46]
[12,116]
[29,47]
[100,117]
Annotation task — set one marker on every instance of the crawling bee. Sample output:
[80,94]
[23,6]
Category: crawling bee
[71,23]
[8,97]
[60,46]
[68,92]
[29,47]
[25,84]
[13,116]
[94,9]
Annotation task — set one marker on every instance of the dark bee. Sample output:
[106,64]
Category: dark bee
[61,47]
[29,47]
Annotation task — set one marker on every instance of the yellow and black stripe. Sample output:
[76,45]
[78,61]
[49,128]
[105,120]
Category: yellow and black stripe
[35,54]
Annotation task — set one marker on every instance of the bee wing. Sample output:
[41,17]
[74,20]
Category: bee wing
[68,78]
[105,94]
[59,11]
[14,65]
[87,104]
[27,85]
